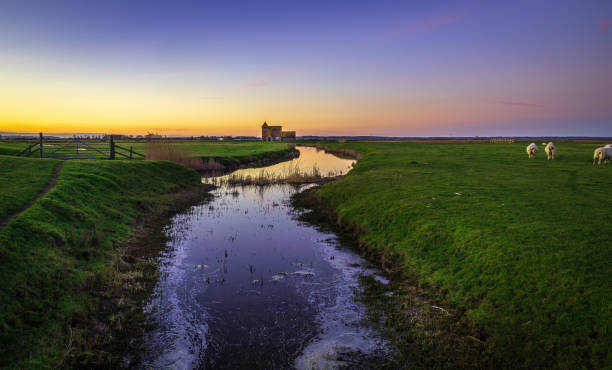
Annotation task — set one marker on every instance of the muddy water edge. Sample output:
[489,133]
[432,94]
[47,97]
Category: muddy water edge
[243,282]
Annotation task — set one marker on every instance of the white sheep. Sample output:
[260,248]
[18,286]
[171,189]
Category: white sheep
[608,146]
[532,149]
[602,154]
[550,150]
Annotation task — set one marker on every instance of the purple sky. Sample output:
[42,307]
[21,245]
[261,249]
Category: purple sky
[330,67]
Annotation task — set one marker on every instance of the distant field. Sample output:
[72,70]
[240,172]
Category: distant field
[21,179]
[523,248]
[10,147]
[229,152]
[217,148]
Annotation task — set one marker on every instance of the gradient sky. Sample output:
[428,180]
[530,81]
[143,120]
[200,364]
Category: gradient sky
[439,68]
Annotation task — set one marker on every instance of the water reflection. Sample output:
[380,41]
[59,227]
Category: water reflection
[311,159]
[244,284]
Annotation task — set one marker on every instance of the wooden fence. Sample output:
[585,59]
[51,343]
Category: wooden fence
[502,140]
[79,149]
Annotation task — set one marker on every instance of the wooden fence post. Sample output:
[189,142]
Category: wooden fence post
[112,148]
[40,136]
[131,151]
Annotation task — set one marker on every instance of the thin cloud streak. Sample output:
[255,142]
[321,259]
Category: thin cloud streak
[258,83]
[435,20]
[518,104]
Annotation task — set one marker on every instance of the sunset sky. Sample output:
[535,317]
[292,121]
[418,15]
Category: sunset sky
[393,68]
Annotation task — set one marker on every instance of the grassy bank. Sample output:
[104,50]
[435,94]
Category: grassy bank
[513,254]
[21,179]
[60,263]
[230,154]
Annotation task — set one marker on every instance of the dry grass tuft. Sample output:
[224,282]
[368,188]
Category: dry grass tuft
[340,152]
[172,152]
[291,175]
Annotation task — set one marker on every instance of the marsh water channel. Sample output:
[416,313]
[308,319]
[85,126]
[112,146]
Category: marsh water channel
[245,285]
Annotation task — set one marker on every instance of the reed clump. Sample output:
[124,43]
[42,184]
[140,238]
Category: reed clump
[339,152]
[293,174]
[172,152]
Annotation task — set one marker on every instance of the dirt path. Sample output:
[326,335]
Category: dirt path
[49,186]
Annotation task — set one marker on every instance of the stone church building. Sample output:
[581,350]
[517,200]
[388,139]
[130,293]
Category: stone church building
[276,133]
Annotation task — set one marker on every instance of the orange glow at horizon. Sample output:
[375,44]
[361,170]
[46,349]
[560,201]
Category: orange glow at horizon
[417,69]
[31,102]
[101,107]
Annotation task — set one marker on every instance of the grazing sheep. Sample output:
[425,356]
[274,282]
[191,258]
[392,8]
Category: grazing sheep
[532,149]
[608,146]
[602,154]
[550,150]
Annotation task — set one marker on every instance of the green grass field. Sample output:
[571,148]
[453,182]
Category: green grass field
[21,179]
[522,248]
[63,248]
[230,153]
[11,147]
[219,148]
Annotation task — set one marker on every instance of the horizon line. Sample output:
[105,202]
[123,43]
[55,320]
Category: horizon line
[12,133]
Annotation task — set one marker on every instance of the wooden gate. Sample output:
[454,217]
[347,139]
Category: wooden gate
[79,149]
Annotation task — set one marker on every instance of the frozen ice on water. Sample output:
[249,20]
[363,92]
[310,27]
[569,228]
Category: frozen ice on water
[381,279]
[277,277]
[304,273]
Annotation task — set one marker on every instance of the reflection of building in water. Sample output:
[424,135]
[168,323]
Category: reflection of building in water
[276,133]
